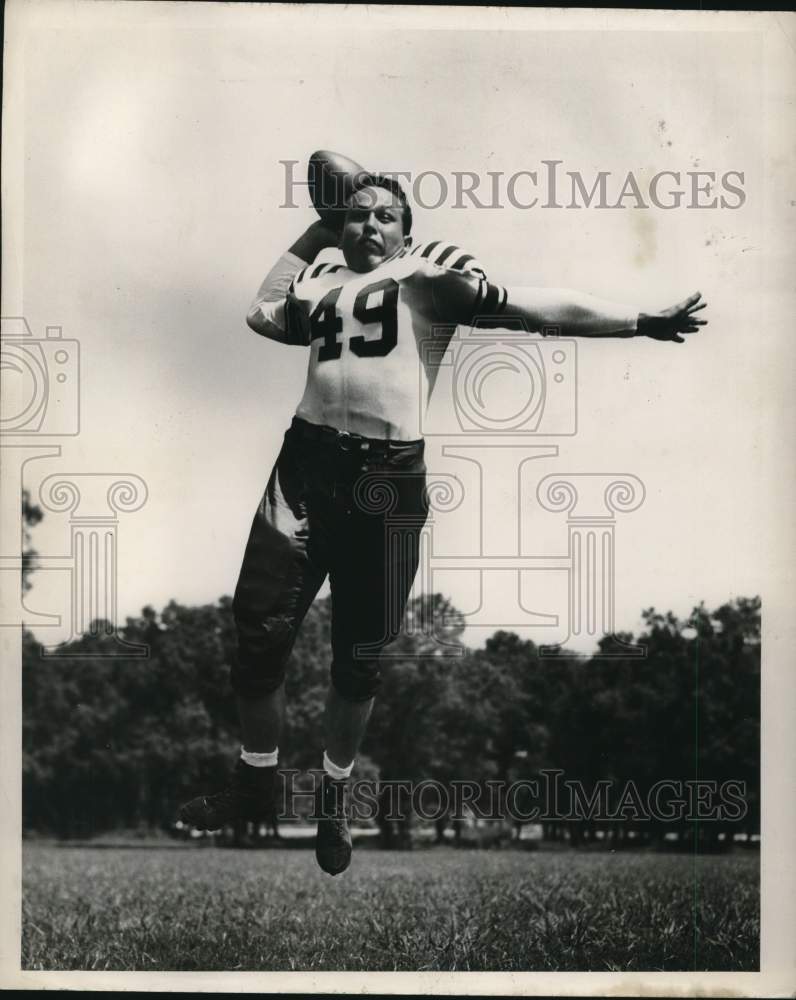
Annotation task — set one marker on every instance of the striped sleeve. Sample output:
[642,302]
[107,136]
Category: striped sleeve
[490,300]
[467,300]
[313,271]
[448,255]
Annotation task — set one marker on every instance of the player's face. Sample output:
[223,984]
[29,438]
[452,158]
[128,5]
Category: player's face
[373,229]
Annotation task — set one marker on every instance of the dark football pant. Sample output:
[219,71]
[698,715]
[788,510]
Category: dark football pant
[336,504]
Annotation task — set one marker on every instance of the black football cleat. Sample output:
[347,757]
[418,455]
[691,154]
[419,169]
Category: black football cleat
[249,796]
[333,840]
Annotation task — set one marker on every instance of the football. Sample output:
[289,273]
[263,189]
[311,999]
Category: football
[331,178]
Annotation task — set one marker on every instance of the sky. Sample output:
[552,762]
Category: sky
[148,212]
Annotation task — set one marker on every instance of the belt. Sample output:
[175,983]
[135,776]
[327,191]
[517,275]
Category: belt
[349,442]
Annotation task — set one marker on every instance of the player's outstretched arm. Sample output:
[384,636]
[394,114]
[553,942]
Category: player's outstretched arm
[266,313]
[468,301]
[581,315]
[570,312]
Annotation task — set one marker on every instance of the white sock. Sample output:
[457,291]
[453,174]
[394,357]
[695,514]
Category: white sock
[338,773]
[259,759]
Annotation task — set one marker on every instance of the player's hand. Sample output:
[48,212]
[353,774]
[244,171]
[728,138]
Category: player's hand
[323,233]
[672,323]
[317,237]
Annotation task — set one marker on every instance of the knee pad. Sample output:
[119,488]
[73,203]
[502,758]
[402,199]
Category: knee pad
[264,649]
[248,681]
[356,681]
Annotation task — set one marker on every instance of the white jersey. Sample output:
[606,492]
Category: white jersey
[375,339]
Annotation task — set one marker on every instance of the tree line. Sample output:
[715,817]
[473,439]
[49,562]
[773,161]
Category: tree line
[112,743]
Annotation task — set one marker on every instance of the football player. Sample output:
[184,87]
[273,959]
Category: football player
[354,452]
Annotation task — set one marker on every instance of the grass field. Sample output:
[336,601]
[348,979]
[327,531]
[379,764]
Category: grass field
[441,909]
